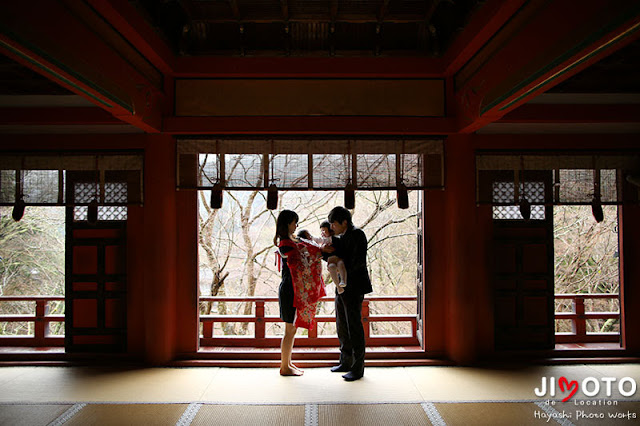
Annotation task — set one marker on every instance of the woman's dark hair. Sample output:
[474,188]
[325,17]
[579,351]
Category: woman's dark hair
[282,225]
[339,214]
[327,224]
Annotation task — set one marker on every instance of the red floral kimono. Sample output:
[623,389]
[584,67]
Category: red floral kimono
[305,264]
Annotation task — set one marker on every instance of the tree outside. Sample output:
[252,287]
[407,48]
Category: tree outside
[32,262]
[587,262]
[237,255]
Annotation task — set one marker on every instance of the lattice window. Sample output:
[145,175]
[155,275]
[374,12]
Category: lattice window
[115,192]
[570,177]
[41,178]
[503,192]
[105,213]
[513,213]
[85,192]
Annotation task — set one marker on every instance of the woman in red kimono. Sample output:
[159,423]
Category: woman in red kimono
[301,286]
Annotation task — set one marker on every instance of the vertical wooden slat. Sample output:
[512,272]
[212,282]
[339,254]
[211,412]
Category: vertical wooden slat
[580,325]
[207,329]
[260,323]
[365,318]
[41,326]
[313,331]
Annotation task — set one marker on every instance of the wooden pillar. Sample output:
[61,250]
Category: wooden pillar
[469,318]
[435,273]
[187,272]
[160,242]
[630,277]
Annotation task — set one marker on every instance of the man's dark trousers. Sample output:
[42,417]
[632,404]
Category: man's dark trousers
[350,331]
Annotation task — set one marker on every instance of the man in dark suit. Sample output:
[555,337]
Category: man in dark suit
[351,247]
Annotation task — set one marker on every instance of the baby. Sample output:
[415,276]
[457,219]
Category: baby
[335,265]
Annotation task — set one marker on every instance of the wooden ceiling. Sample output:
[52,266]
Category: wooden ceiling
[504,62]
[308,27]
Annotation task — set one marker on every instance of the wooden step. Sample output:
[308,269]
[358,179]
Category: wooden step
[239,363]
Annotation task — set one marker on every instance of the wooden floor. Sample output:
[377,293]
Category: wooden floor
[112,395]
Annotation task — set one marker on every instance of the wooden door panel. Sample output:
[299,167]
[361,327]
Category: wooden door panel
[535,259]
[95,289]
[524,284]
[506,315]
[535,311]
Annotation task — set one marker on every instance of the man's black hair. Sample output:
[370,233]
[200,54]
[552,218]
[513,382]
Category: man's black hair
[339,214]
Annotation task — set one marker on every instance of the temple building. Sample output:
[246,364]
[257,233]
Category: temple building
[492,114]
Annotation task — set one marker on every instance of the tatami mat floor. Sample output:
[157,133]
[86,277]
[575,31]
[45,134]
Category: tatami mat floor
[393,395]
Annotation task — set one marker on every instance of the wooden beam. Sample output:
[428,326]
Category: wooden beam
[79,60]
[543,44]
[555,142]
[226,67]
[128,22]
[572,113]
[56,116]
[484,23]
[353,18]
[309,125]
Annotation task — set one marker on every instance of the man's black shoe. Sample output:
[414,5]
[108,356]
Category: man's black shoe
[340,369]
[351,376]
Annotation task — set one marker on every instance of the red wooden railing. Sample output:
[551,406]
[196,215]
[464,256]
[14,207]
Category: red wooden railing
[260,320]
[579,318]
[41,319]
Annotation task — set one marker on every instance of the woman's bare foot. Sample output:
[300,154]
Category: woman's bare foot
[291,372]
[293,367]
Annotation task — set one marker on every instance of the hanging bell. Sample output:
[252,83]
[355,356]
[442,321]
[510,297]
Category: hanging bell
[403,196]
[18,209]
[92,212]
[216,196]
[596,209]
[349,196]
[272,197]
[525,209]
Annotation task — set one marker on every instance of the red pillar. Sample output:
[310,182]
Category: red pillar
[160,242]
[467,229]
[187,272]
[630,277]
[435,272]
